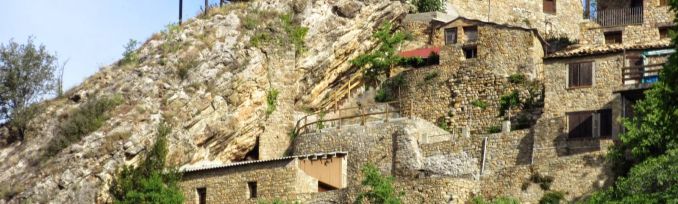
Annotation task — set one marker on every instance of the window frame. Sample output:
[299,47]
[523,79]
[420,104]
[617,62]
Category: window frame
[579,84]
[466,33]
[600,127]
[473,49]
[612,36]
[252,190]
[456,35]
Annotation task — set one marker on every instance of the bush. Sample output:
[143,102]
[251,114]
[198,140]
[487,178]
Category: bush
[82,121]
[130,56]
[499,200]
[553,197]
[295,33]
[480,104]
[379,188]
[271,101]
[494,129]
[185,65]
[442,124]
[18,126]
[389,89]
[517,78]
[430,5]
[172,42]
[149,182]
[431,76]
[508,102]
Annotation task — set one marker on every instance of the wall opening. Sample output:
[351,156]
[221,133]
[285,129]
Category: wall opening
[322,187]
[613,37]
[252,189]
[471,33]
[202,195]
[471,52]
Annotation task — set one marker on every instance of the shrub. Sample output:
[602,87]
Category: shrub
[430,76]
[321,117]
[271,101]
[442,124]
[523,121]
[494,129]
[259,38]
[185,65]
[430,5]
[552,197]
[389,88]
[130,56]
[82,121]
[172,42]
[295,33]
[516,78]
[379,188]
[18,125]
[499,200]
[149,182]
[480,104]
[508,102]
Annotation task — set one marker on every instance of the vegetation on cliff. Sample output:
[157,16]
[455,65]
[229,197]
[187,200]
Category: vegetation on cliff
[149,182]
[379,188]
[647,159]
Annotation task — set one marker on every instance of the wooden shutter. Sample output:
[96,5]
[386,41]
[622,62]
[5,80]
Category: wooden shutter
[550,6]
[585,74]
[573,75]
[580,124]
[605,122]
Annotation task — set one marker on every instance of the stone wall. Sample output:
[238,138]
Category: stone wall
[528,13]
[277,179]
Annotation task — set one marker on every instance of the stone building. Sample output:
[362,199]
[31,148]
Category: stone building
[288,178]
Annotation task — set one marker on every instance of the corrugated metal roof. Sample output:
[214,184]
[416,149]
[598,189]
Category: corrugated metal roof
[421,52]
[603,49]
[186,169]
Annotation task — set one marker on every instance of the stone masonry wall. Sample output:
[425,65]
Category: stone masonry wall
[276,179]
[528,13]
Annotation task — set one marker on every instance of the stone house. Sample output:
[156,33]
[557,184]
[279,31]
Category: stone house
[288,178]
[476,57]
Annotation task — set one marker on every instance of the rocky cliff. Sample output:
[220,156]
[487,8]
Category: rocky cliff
[209,79]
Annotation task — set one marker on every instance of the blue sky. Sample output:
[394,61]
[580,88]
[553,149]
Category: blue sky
[89,33]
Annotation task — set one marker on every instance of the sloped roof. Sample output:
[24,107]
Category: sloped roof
[421,52]
[533,30]
[186,169]
[585,50]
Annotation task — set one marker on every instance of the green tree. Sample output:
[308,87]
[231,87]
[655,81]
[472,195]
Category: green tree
[430,5]
[380,61]
[26,76]
[149,182]
[379,188]
[646,161]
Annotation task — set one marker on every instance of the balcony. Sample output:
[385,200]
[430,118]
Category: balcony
[618,17]
[641,76]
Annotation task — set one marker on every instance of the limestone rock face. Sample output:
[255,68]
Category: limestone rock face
[217,110]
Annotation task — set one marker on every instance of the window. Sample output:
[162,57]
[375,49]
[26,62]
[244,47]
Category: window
[580,75]
[252,188]
[664,32]
[550,6]
[590,124]
[450,36]
[613,37]
[663,2]
[636,3]
[202,195]
[471,52]
[471,33]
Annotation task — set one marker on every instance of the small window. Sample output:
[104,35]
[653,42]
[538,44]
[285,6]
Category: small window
[664,32]
[614,37]
[252,188]
[550,6]
[663,2]
[471,52]
[580,75]
[471,33]
[450,36]
[590,124]
[202,195]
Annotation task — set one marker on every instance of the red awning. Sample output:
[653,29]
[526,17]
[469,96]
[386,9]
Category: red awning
[421,52]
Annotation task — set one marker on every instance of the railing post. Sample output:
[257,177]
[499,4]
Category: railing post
[305,124]
[411,109]
[386,120]
[362,116]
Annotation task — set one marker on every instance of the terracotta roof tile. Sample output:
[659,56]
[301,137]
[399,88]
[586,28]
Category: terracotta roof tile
[421,52]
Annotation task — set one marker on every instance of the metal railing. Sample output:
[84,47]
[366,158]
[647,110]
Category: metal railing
[348,116]
[618,17]
[645,74]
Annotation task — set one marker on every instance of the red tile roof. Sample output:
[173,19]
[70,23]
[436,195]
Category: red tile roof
[421,52]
